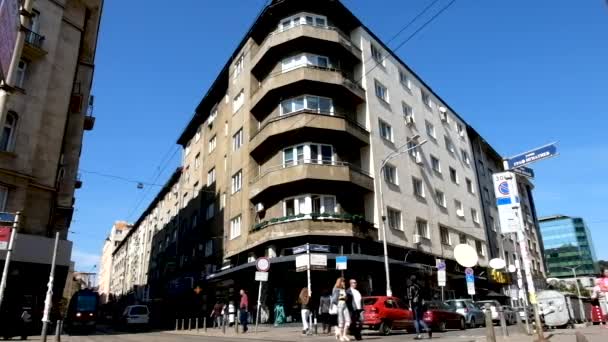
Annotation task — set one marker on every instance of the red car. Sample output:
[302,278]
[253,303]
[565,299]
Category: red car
[385,314]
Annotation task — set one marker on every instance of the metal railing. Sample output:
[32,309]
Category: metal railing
[328,163]
[33,38]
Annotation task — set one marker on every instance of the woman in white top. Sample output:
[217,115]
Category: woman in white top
[338,298]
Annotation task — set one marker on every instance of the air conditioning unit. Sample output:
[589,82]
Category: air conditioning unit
[460,212]
[417,239]
[409,119]
[259,207]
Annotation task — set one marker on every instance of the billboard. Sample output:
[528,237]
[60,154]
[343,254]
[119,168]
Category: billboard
[9,27]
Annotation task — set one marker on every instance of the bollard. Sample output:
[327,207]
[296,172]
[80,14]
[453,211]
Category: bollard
[204,324]
[197,325]
[190,324]
[58,332]
[316,327]
[176,324]
[236,325]
[224,325]
[183,324]
[490,335]
[503,323]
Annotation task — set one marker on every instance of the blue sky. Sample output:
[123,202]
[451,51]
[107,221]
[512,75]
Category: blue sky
[523,73]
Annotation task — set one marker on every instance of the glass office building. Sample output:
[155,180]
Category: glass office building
[567,244]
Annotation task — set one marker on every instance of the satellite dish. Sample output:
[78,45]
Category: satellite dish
[512,268]
[497,263]
[465,255]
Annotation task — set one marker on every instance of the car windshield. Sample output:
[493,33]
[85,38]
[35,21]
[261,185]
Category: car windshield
[86,303]
[458,305]
[369,301]
[139,310]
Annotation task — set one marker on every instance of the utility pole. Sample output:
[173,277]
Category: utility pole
[48,301]
[9,253]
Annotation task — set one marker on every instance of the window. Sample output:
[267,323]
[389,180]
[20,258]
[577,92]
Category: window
[491,223]
[481,168]
[474,215]
[408,113]
[414,151]
[211,177]
[223,201]
[459,208]
[238,101]
[237,181]
[308,154]
[449,145]
[302,19]
[318,104]
[238,66]
[197,160]
[435,164]
[440,198]
[210,212]
[209,248]
[21,73]
[486,194]
[390,174]
[305,60]
[7,142]
[386,131]
[470,188]
[3,197]
[454,176]
[212,144]
[405,80]
[460,129]
[324,204]
[381,91]
[462,238]
[235,227]
[426,99]
[377,55]
[422,228]
[444,234]
[295,206]
[212,116]
[479,247]
[430,129]
[465,157]
[197,136]
[187,148]
[307,204]
[418,187]
[237,140]
[394,218]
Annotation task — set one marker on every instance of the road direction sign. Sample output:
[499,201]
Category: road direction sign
[262,264]
[7,217]
[532,156]
[469,271]
[313,248]
[341,262]
[261,276]
[524,171]
[5,236]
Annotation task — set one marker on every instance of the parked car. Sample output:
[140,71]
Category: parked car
[136,316]
[495,308]
[474,316]
[386,314]
[441,316]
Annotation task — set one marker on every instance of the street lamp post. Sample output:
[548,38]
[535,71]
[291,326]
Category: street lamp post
[392,155]
[578,290]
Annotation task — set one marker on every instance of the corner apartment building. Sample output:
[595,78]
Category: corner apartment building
[47,106]
[568,244]
[118,232]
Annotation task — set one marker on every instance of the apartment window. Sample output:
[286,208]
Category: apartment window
[462,238]
[482,170]
[237,140]
[238,101]
[305,60]
[295,206]
[422,228]
[308,153]
[223,201]
[7,142]
[21,73]
[386,131]
[435,164]
[381,91]
[408,113]
[414,151]
[235,227]
[426,99]
[405,80]
[377,55]
[187,148]
[444,233]
[430,129]
[237,181]
[197,136]
[465,157]
[418,187]
[307,204]
[212,144]
[470,187]
[238,66]
[454,176]
[318,104]
[209,248]
[210,212]
[474,215]
[449,145]
[211,177]
[460,129]
[440,198]
[492,223]
[302,19]
[390,174]
[197,160]
[394,218]
[3,198]
[459,208]
[479,247]
[486,194]
[212,116]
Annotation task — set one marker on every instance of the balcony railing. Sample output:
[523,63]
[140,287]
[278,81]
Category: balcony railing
[343,217]
[301,162]
[33,38]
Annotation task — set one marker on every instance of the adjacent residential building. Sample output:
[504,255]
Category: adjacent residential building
[46,104]
[568,246]
[119,231]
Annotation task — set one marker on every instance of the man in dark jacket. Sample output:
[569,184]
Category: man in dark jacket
[414,295]
[355,307]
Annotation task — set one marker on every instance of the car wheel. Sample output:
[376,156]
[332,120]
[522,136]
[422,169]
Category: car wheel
[385,328]
[463,325]
[442,326]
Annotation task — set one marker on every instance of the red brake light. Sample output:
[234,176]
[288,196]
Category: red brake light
[428,315]
[374,310]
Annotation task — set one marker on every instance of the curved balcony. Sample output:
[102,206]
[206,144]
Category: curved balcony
[33,45]
[325,39]
[308,226]
[299,81]
[311,176]
[315,126]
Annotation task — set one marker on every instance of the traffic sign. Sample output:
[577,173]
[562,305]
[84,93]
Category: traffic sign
[261,276]
[469,278]
[441,277]
[262,264]
[341,262]
[532,156]
[471,288]
[5,236]
[469,271]
[524,171]
[440,264]
[313,248]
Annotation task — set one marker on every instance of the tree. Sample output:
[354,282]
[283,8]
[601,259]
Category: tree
[602,264]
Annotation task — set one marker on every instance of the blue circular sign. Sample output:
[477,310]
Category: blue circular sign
[503,188]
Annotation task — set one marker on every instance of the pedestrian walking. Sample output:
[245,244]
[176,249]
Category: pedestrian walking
[244,310]
[231,313]
[355,307]
[338,297]
[414,296]
[26,319]
[324,308]
[217,314]
[303,300]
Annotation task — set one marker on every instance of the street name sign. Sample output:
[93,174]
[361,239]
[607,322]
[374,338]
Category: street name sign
[532,156]
[524,171]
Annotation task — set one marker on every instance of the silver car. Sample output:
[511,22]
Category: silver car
[473,315]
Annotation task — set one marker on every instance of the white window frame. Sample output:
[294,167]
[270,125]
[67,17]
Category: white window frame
[470,186]
[381,91]
[21,73]
[418,186]
[187,148]
[211,176]
[408,112]
[465,157]
[237,181]
[307,157]
[306,101]
[212,144]
[456,179]
[460,130]
[440,198]
[300,19]
[385,127]
[405,80]
[449,145]
[390,174]
[212,116]
[237,140]
[197,135]
[422,228]
[302,60]
[238,101]
[239,65]
[235,227]
[446,230]
[197,160]
[394,218]
[377,54]
[12,131]
[426,99]
[303,204]
[475,215]
[459,208]
[481,251]
[430,129]
[414,151]
[435,164]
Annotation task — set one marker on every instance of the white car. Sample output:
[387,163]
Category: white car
[136,315]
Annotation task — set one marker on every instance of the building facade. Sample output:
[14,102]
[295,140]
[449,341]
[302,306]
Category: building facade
[568,244]
[46,105]
[119,230]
